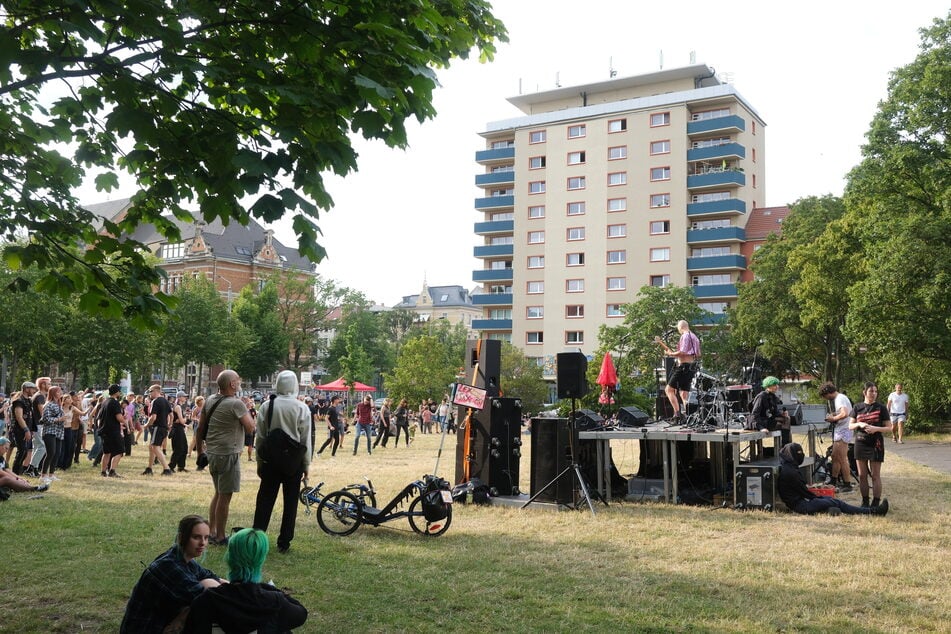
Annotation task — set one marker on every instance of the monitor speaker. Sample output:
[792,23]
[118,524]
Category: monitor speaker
[633,416]
[586,419]
[551,454]
[572,368]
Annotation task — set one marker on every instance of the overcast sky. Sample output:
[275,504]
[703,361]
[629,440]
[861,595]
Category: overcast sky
[814,71]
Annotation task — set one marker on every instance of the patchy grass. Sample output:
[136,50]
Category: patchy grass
[73,555]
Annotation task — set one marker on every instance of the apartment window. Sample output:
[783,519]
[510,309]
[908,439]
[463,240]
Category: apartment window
[617,152]
[617,283]
[711,224]
[710,280]
[710,114]
[707,252]
[660,254]
[617,204]
[659,119]
[576,233]
[660,200]
[500,288]
[710,197]
[576,208]
[614,310]
[617,178]
[535,312]
[502,169]
[575,337]
[576,158]
[536,211]
[536,237]
[498,313]
[536,162]
[576,182]
[494,240]
[660,147]
[617,231]
[535,337]
[717,308]
[505,215]
[501,192]
[537,136]
[576,131]
[660,281]
[754,155]
[574,311]
[574,259]
[754,134]
[617,125]
[500,265]
[536,261]
[534,288]
[617,257]
[536,187]
[574,286]
[660,173]
[173,250]
[501,145]
[659,227]
[754,181]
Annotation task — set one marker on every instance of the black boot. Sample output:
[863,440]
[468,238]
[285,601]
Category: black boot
[875,502]
[865,502]
[880,509]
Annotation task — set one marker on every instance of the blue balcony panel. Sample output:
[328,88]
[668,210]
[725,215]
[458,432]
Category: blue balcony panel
[728,178]
[491,275]
[491,324]
[731,123]
[714,290]
[717,262]
[712,319]
[492,299]
[493,227]
[719,207]
[493,250]
[494,202]
[494,156]
[495,178]
[720,234]
[725,151]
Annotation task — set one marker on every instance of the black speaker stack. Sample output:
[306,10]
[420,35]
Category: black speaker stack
[571,370]
[494,437]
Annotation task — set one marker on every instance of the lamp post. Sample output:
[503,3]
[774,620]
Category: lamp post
[228,282]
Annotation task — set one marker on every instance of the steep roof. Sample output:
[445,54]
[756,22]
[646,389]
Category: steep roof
[441,296]
[764,221]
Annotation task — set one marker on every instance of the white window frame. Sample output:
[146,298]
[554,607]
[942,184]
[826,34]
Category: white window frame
[536,262]
[616,179]
[617,125]
[617,256]
[537,285]
[579,259]
[576,183]
[536,187]
[536,162]
[576,208]
[577,131]
[616,284]
[536,237]
[664,174]
[577,158]
[660,254]
[575,234]
[660,119]
[660,201]
[536,211]
[617,231]
[537,136]
[663,149]
[574,285]
[617,152]
[622,201]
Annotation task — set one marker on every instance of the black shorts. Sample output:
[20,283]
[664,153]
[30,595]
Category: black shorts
[249,440]
[159,434]
[112,442]
[871,453]
[682,376]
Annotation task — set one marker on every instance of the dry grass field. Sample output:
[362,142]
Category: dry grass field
[72,556]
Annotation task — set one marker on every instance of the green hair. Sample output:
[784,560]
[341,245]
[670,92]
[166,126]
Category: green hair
[247,550]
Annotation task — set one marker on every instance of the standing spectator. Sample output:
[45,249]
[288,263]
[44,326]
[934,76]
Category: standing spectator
[53,431]
[249,438]
[334,426]
[898,412]
[24,426]
[160,411]
[71,433]
[383,433]
[442,413]
[870,421]
[196,416]
[39,403]
[129,413]
[95,416]
[177,432]
[112,424]
[841,434]
[224,422]
[364,422]
[402,422]
[3,414]
[285,413]
[426,417]
[138,417]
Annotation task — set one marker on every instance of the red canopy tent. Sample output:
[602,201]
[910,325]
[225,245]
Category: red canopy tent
[341,386]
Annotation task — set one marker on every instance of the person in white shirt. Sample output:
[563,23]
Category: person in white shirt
[841,435]
[898,412]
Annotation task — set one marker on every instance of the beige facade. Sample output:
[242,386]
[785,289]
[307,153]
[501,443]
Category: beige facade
[604,188]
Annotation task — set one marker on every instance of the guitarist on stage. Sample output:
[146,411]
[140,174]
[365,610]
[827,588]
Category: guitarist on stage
[687,354]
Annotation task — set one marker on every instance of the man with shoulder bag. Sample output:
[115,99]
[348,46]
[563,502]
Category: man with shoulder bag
[283,448]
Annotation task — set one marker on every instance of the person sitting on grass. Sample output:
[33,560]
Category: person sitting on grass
[245,604]
[797,496]
[170,583]
[12,481]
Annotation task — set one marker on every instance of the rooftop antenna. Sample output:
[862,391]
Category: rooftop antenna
[611,72]
[661,58]
[558,80]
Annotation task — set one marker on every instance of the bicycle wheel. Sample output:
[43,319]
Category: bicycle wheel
[421,525]
[304,499]
[363,494]
[340,513]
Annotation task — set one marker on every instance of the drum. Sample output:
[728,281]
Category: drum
[703,382]
[739,397]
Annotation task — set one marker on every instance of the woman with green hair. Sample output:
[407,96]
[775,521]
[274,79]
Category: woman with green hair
[245,604]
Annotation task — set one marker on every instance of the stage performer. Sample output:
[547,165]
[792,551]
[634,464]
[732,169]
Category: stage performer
[870,421]
[767,411]
[687,354]
[841,434]
[797,496]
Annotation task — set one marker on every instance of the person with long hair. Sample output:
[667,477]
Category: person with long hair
[383,432]
[53,431]
[245,604]
[870,421]
[402,422]
[171,582]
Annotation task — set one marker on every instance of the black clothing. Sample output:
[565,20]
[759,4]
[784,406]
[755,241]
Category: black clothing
[238,608]
[870,446]
[794,493]
[272,478]
[765,409]
[161,409]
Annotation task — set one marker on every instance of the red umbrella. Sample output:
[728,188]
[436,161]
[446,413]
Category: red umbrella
[607,379]
[341,386]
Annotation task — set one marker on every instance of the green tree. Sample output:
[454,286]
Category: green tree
[199,330]
[422,371]
[522,378]
[30,326]
[196,104]
[261,341]
[367,335]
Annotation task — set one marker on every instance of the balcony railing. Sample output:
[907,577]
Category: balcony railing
[492,299]
[731,123]
[493,250]
[494,227]
[494,202]
[717,262]
[495,178]
[722,178]
[714,290]
[720,207]
[491,324]
[724,151]
[491,275]
[719,234]
[492,156]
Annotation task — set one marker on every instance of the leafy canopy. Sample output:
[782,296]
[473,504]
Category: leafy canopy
[204,105]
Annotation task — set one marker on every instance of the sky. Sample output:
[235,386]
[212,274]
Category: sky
[814,71]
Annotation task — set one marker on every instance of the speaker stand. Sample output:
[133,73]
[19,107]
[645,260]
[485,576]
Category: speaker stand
[573,467]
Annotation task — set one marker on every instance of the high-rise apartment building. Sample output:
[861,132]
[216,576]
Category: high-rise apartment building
[604,188]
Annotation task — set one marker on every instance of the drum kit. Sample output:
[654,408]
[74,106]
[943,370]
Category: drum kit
[715,405]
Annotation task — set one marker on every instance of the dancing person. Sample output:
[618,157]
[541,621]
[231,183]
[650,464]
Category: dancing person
[159,412]
[898,412]
[870,420]
[245,604]
[224,422]
[292,417]
[364,418]
[171,582]
[53,420]
[334,426]
[39,404]
[383,431]
[794,493]
[111,428]
[177,433]
[24,426]
[841,435]
[680,380]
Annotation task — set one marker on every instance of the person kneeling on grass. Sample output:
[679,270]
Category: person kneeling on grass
[245,604]
[170,583]
[797,496]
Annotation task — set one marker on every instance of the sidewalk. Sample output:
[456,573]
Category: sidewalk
[931,454]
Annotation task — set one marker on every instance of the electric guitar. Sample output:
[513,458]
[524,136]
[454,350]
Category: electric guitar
[663,345]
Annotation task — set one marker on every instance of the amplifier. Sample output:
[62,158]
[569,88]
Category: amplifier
[755,486]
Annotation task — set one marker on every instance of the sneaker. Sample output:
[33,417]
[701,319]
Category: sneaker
[183,470]
[113,474]
[42,487]
[167,472]
[148,471]
[104,474]
[283,549]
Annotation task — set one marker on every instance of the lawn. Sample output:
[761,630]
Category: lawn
[73,555]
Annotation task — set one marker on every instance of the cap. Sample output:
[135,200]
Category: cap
[28,384]
[180,393]
[114,389]
[4,440]
[770,381]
